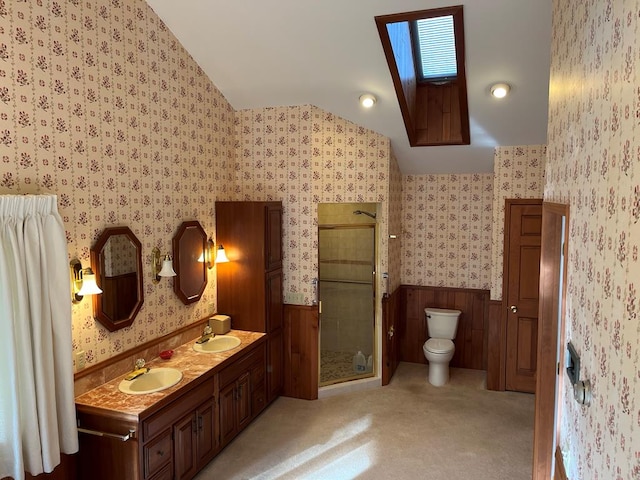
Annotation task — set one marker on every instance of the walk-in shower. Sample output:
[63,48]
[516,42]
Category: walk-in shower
[347,262]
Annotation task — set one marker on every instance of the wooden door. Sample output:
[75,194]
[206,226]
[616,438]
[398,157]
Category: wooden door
[206,443]
[228,417]
[551,346]
[523,224]
[273,241]
[243,405]
[275,364]
[184,447]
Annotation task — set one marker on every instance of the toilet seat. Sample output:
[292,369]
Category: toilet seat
[439,345]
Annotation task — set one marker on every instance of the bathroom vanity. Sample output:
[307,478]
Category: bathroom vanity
[173,433]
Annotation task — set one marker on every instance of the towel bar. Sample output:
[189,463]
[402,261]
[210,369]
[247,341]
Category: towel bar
[124,438]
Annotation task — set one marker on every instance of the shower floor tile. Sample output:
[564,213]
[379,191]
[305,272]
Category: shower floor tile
[336,367]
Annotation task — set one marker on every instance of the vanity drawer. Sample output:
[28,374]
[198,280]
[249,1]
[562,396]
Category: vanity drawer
[165,474]
[230,373]
[159,421]
[157,454]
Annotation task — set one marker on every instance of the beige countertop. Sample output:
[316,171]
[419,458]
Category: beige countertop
[192,364]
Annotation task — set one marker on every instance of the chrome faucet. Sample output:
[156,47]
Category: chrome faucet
[207,334]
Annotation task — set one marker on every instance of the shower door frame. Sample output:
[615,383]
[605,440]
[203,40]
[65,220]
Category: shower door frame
[371,373]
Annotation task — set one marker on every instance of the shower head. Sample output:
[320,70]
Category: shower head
[362,212]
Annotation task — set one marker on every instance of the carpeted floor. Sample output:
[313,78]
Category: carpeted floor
[407,430]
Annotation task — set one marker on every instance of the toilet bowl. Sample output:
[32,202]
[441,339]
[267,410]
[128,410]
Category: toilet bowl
[442,325]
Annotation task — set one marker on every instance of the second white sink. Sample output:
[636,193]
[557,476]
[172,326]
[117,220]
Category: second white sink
[217,344]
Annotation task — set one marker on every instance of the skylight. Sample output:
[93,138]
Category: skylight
[436,48]
[425,53]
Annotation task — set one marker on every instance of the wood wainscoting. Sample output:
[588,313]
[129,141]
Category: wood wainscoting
[301,355]
[495,354]
[472,337]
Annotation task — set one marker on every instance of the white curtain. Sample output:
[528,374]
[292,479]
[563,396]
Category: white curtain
[37,409]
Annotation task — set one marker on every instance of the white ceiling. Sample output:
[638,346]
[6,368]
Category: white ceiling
[267,53]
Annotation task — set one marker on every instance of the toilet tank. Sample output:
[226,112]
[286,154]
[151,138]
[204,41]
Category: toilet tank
[442,322]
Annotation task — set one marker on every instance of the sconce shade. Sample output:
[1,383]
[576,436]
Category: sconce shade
[89,285]
[83,281]
[221,256]
[167,267]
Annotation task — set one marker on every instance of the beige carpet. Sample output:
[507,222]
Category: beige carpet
[407,430]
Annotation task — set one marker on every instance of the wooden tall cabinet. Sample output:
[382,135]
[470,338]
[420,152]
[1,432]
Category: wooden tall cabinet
[250,286]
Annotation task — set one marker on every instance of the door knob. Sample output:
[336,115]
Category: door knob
[514,308]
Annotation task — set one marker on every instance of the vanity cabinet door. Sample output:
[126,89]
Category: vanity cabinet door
[184,446]
[206,439]
[194,440]
[243,400]
[228,423]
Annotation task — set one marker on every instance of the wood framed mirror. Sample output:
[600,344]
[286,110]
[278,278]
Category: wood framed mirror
[189,261]
[116,259]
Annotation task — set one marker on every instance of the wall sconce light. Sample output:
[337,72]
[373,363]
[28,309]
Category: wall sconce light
[500,90]
[207,256]
[367,100]
[221,255]
[83,281]
[161,269]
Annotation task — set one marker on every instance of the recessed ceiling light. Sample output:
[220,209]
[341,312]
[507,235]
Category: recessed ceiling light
[367,100]
[500,90]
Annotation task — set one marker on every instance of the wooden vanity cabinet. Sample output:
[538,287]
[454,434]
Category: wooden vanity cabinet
[250,286]
[174,442]
[242,393]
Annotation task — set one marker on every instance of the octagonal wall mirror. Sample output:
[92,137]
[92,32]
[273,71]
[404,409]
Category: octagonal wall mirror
[189,246]
[116,259]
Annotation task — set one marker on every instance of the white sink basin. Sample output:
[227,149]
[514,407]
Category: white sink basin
[154,380]
[217,344]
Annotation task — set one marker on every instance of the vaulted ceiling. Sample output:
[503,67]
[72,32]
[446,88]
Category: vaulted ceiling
[327,53]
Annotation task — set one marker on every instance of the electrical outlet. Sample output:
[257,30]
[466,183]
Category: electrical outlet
[81,360]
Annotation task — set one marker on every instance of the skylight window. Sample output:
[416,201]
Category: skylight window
[436,48]
[425,53]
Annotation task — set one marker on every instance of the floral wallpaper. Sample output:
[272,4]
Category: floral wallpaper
[119,256]
[518,172]
[593,165]
[103,107]
[304,156]
[446,230]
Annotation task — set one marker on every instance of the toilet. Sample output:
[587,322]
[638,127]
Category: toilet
[442,325]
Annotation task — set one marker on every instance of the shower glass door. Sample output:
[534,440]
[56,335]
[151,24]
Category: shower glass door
[347,296]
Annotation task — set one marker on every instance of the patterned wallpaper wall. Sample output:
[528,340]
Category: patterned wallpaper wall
[303,156]
[103,107]
[446,230]
[593,166]
[119,256]
[518,172]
